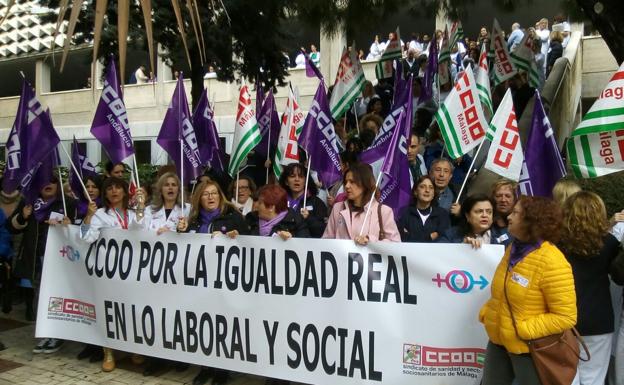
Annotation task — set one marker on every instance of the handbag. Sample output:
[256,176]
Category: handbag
[556,356]
[382,233]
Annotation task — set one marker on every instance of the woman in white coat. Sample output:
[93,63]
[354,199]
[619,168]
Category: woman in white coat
[114,213]
[166,209]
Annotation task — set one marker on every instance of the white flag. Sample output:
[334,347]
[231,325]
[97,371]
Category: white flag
[505,156]
[287,143]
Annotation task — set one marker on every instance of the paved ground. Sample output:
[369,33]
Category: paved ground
[19,365]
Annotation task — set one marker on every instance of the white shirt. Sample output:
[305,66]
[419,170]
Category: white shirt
[300,61]
[102,220]
[158,219]
[244,208]
[618,231]
[141,77]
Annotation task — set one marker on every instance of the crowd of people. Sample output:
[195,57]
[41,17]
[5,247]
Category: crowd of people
[560,253]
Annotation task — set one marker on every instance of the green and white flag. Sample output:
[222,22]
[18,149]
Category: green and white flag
[596,147]
[287,143]
[607,113]
[348,85]
[524,60]
[246,132]
[461,118]
[445,49]
[503,68]
[505,156]
[393,51]
[457,33]
[483,81]
[598,154]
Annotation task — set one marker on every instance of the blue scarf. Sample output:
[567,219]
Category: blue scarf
[519,250]
[206,217]
[266,226]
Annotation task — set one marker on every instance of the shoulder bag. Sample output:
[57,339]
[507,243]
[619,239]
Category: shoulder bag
[556,356]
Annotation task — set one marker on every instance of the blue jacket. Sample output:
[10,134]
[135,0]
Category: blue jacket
[412,228]
[499,236]
[6,247]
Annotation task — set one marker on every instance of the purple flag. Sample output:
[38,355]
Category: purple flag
[40,176]
[31,139]
[395,189]
[318,138]
[85,169]
[542,166]
[110,123]
[207,135]
[311,69]
[177,134]
[269,123]
[402,101]
[259,98]
[432,68]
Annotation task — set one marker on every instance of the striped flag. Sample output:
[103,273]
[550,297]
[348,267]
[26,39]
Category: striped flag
[505,156]
[461,118]
[503,67]
[596,154]
[287,143]
[596,147]
[348,85]
[445,49]
[607,113]
[483,81]
[524,60]
[392,52]
[457,33]
[246,132]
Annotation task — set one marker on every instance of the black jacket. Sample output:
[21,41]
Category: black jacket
[498,236]
[293,223]
[592,285]
[33,244]
[317,220]
[412,229]
[230,219]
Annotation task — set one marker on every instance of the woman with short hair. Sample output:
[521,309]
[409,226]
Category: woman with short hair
[475,227]
[314,212]
[274,218]
[532,294]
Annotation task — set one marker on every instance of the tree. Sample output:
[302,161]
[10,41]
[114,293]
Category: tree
[241,36]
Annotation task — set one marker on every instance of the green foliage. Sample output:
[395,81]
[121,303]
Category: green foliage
[609,187]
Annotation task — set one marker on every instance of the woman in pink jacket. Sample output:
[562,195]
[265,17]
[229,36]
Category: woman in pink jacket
[349,219]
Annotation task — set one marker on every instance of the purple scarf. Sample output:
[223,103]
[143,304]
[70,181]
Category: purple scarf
[42,209]
[266,226]
[519,250]
[294,203]
[206,217]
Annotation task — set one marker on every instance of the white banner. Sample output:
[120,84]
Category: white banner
[325,312]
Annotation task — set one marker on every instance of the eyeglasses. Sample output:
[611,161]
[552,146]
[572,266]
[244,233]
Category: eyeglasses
[243,187]
[210,194]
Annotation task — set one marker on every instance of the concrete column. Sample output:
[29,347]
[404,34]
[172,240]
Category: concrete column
[331,51]
[42,77]
[441,18]
[99,71]
[164,71]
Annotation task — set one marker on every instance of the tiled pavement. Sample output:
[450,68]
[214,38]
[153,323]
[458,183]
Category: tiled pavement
[19,365]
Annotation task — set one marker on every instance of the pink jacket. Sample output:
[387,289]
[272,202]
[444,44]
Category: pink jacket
[343,224]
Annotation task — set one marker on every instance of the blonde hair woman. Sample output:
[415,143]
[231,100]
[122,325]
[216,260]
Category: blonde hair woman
[590,249]
[563,189]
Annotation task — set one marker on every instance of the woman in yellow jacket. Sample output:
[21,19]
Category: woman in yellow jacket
[539,288]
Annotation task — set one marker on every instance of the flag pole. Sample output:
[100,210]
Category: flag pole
[136,170]
[60,175]
[357,122]
[305,189]
[77,173]
[182,174]
[370,203]
[268,151]
[469,172]
[237,180]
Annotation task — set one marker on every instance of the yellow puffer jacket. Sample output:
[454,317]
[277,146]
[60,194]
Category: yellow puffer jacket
[541,292]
